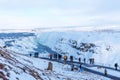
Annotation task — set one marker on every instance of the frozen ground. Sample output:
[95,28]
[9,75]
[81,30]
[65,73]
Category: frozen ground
[20,67]
[107,45]
[76,43]
[109,71]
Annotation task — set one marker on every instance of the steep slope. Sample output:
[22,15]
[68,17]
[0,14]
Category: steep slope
[19,42]
[105,45]
[14,66]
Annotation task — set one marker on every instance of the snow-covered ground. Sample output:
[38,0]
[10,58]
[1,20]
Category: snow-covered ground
[20,67]
[103,46]
[107,44]
[109,71]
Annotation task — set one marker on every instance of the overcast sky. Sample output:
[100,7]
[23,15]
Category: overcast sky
[58,13]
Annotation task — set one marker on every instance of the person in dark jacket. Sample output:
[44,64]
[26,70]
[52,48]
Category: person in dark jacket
[81,66]
[72,68]
[59,56]
[90,61]
[84,60]
[105,72]
[55,56]
[71,58]
[79,59]
[30,54]
[93,60]
[116,66]
[36,54]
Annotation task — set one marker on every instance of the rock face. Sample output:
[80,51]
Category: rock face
[50,66]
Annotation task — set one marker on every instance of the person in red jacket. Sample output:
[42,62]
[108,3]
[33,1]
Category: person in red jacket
[50,56]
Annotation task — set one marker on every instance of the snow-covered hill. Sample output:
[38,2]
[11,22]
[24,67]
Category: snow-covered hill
[14,66]
[101,45]
[104,46]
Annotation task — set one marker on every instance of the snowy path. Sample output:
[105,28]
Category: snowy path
[102,67]
[109,71]
[113,74]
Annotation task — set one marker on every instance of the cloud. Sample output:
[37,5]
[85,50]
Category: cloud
[56,13]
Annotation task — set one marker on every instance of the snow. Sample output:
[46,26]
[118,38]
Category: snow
[109,71]
[106,53]
[63,71]
[101,39]
[60,71]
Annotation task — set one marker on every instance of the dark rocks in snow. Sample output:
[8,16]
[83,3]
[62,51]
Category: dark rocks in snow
[88,47]
[73,43]
[84,47]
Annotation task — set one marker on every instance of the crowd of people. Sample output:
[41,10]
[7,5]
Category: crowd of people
[91,61]
[71,58]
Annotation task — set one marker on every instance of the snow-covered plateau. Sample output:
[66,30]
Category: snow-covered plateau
[103,46]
